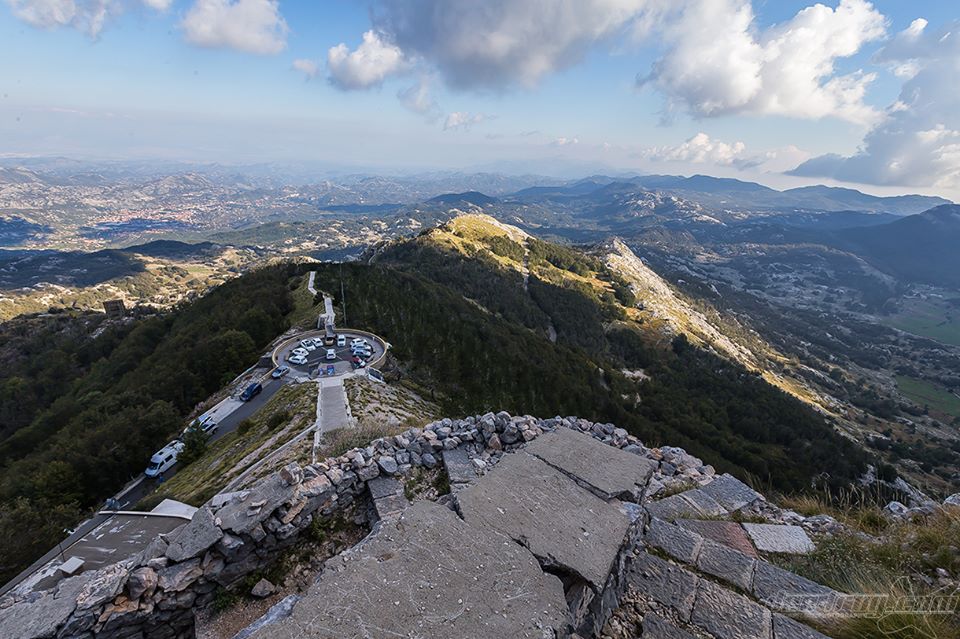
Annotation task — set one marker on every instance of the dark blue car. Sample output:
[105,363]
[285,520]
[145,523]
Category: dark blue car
[251,391]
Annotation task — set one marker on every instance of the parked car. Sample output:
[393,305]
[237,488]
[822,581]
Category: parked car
[251,391]
[358,362]
[341,340]
[279,372]
[205,423]
[308,344]
[297,360]
[164,459]
[331,354]
[331,370]
[362,352]
[357,341]
[300,351]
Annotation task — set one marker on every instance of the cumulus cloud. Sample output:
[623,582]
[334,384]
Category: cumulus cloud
[253,26]
[718,62]
[366,66]
[88,16]
[699,149]
[918,141]
[501,43]
[307,67]
[463,120]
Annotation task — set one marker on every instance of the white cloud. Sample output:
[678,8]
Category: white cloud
[253,26]
[417,98]
[918,141]
[699,149]
[562,141]
[368,65]
[719,63]
[88,16]
[500,43]
[463,120]
[309,68]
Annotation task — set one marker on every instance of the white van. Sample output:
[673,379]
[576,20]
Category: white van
[341,340]
[163,459]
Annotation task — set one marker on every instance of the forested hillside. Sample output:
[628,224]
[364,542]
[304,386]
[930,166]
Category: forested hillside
[96,408]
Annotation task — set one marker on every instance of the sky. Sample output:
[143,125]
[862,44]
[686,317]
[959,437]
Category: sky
[786,93]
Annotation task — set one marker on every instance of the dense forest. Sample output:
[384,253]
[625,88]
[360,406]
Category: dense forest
[476,360]
[96,407]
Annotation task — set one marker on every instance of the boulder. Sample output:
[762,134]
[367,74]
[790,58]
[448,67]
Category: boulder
[194,538]
[388,464]
[178,576]
[263,588]
[141,583]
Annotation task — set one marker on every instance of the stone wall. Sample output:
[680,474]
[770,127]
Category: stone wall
[155,593]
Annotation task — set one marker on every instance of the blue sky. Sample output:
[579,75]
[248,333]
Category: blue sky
[530,86]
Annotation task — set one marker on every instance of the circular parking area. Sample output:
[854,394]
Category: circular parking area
[322,355]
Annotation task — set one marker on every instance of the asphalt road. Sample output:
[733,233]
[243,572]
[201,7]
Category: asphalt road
[227,425]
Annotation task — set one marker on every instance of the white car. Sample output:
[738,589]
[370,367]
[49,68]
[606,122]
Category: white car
[341,340]
[331,354]
[298,360]
[356,341]
[300,351]
[308,344]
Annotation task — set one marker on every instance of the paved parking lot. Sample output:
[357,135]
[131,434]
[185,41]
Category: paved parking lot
[317,362]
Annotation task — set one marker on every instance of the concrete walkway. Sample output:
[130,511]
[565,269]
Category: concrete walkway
[334,411]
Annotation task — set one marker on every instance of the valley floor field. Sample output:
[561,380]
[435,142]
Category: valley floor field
[926,394]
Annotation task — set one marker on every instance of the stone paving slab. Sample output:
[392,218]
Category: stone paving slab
[390,505]
[703,502]
[677,542]
[730,492]
[429,574]
[607,471]
[546,511]
[672,507]
[459,467]
[728,533]
[384,487]
[727,564]
[727,615]
[779,538]
[656,627]
[664,582]
[787,628]
[771,582]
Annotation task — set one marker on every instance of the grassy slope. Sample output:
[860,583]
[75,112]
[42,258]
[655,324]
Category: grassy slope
[924,393]
[286,414]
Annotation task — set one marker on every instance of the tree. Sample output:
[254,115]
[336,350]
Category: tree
[194,444]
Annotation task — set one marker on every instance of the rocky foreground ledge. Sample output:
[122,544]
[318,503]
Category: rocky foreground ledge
[553,528]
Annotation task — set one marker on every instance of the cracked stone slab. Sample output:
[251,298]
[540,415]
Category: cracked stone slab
[664,582]
[780,538]
[195,537]
[428,573]
[727,615]
[727,564]
[243,515]
[560,522]
[656,627]
[728,533]
[607,471]
[459,467]
[730,492]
